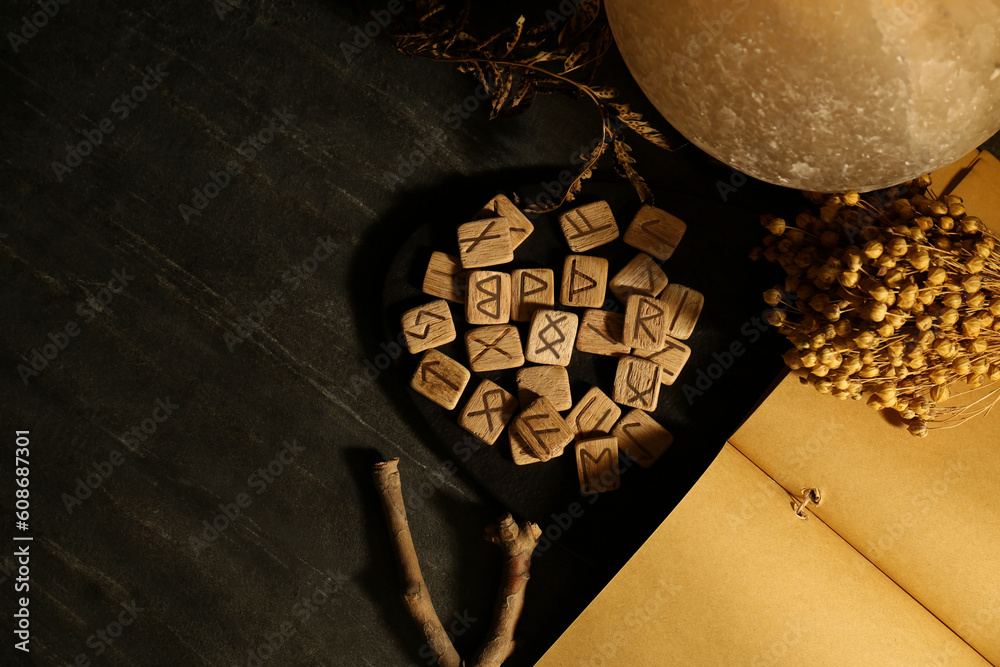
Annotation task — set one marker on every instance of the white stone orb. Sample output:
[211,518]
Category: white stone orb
[823,95]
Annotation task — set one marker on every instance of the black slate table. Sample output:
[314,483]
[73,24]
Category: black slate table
[202,206]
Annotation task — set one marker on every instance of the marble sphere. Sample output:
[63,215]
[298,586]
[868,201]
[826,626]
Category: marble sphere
[823,95]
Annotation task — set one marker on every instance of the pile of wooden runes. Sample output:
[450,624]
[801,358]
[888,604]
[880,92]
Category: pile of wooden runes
[646,339]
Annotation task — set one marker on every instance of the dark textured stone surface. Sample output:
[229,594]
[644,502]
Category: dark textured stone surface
[300,377]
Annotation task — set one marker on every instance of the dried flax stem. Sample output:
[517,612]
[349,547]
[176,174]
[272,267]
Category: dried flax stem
[415,594]
[518,542]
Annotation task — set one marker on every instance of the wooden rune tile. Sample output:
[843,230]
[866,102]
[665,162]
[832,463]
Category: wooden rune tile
[670,359]
[502,207]
[645,322]
[642,438]
[551,336]
[494,348]
[428,326]
[655,232]
[683,306]
[640,276]
[539,433]
[593,415]
[552,382]
[485,243]
[531,289]
[488,300]
[601,333]
[597,464]
[440,378]
[486,414]
[586,227]
[584,280]
[445,278]
[637,383]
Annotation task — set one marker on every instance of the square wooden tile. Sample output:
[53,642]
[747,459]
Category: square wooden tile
[551,336]
[683,306]
[637,383]
[642,275]
[642,438]
[539,433]
[445,277]
[485,243]
[502,207]
[489,409]
[597,464]
[584,280]
[488,300]
[655,232]
[670,359]
[589,226]
[494,348]
[531,289]
[595,414]
[552,382]
[645,322]
[440,378]
[427,326]
[601,333]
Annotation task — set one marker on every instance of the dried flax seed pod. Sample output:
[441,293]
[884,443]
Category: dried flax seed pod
[891,298]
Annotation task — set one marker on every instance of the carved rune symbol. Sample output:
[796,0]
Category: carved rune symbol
[476,240]
[649,273]
[590,283]
[584,229]
[669,346]
[652,223]
[427,327]
[491,346]
[551,325]
[645,396]
[542,285]
[538,447]
[429,368]
[626,428]
[584,454]
[602,334]
[487,410]
[677,311]
[494,299]
[597,426]
[640,321]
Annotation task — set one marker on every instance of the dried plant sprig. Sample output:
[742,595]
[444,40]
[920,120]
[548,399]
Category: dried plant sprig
[521,62]
[893,297]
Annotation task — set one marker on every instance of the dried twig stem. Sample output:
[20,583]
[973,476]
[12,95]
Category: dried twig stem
[415,594]
[518,542]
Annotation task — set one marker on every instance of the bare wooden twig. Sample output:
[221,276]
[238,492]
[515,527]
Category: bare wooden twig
[518,542]
[416,597]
